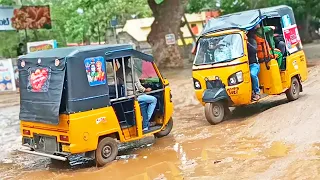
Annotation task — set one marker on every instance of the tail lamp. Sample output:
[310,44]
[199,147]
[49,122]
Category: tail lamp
[64,138]
[26,132]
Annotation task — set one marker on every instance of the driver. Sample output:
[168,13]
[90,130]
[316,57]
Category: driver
[151,101]
[223,52]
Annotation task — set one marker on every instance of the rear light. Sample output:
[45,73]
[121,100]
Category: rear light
[26,132]
[64,138]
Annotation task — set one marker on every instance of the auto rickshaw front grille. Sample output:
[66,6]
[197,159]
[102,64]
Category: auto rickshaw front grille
[210,84]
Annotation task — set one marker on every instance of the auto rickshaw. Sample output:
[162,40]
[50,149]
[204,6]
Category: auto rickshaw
[225,82]
[71,101]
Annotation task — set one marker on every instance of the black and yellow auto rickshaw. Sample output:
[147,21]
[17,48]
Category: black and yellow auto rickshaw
[221,71]
[72,101]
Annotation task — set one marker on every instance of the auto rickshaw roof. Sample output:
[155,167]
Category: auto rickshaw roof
[111,52]
[246,20]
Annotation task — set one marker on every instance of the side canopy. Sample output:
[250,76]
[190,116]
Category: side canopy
[246,20]
[67,80]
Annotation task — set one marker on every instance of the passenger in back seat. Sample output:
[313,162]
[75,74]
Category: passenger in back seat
[270,48]
[151,101]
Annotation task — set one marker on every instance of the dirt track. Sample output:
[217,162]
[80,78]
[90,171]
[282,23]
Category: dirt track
[273,139]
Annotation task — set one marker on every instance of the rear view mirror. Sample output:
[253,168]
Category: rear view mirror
[165,81]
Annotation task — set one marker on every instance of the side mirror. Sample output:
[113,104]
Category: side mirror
[165,82]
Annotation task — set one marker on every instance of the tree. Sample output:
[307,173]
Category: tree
[231,6]
[167,19]
[7,2]
[196,6]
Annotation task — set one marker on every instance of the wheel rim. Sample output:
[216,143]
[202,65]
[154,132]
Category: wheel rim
[106,151]
[216,110]
[294,88]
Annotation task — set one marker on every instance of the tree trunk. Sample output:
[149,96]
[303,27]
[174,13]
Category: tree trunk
[99,37]
[182,38]
[167,20]
[35,34]
[305,34]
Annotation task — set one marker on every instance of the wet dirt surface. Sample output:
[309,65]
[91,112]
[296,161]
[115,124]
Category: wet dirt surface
[272,139]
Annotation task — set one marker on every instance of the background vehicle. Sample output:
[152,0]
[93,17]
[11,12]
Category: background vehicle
[223,82]
[71,102]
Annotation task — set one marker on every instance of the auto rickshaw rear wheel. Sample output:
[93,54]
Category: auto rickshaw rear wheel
[214,112]
[107,151]
[293,92]
[167,129]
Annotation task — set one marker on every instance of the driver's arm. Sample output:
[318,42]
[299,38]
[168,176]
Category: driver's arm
[138,85]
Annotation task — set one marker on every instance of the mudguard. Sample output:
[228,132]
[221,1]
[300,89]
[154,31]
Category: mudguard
[215,95]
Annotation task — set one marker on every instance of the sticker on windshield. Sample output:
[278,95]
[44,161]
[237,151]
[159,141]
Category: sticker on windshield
[95,69]
[39,79]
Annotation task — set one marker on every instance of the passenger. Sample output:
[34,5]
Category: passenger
[280,44]
[269,31]
[254,65]
[151,101]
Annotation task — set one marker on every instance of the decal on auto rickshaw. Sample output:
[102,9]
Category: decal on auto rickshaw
[39,78]
[233,90]
[101,120]
[95,69]
[295,64]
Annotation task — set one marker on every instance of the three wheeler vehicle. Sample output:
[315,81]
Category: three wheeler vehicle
[72,102]
[224,81]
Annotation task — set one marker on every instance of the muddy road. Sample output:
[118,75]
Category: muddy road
[272,139]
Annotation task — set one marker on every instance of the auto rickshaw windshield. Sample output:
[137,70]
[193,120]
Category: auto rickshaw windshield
[217,49]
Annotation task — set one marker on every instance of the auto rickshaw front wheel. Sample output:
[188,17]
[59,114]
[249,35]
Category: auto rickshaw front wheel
[214,112]
[166,130]
[293,92]
[107,151]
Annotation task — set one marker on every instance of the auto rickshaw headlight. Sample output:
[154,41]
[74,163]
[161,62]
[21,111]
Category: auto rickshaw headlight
[235,78]
[196,84]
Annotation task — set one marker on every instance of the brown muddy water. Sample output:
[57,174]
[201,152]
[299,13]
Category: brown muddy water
[273,139]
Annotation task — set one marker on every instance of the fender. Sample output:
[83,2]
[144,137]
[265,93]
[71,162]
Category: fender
[216,94]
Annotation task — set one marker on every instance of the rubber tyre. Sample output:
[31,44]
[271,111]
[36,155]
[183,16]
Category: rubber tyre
[218,116]
[293,92]
[106,152]
[166,130]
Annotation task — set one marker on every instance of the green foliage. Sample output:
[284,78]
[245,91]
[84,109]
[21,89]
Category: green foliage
[70,26]
[7,2]
[195,6]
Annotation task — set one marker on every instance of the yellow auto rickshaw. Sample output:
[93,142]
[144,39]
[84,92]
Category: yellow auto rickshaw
[224,81]
[73,103]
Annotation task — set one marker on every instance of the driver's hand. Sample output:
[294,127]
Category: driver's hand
[148,90]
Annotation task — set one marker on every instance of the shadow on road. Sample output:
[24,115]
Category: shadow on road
[246,111]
